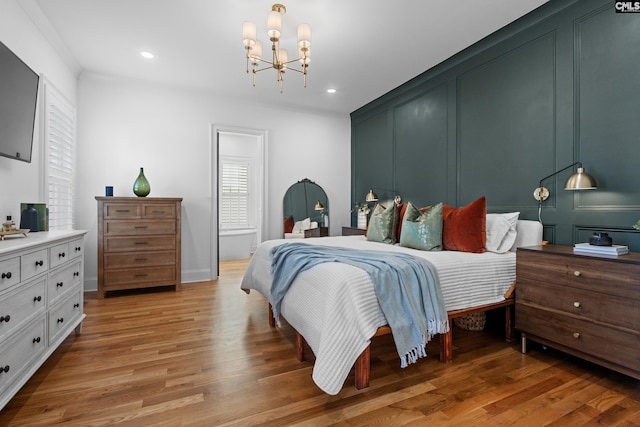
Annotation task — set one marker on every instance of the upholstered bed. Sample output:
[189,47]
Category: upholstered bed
[333,306]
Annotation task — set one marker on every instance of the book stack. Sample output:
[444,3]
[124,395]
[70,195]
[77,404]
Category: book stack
[587,248]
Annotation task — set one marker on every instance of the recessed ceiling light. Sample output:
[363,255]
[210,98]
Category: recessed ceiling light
[146,54]
[331,90]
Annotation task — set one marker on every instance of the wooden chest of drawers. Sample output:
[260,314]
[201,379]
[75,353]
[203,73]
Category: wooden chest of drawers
[41,302]
[584,305]
[139,243]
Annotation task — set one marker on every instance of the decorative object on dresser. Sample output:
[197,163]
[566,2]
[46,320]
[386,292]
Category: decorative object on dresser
[141,187]
[139,243]
[41,302]
[587,305]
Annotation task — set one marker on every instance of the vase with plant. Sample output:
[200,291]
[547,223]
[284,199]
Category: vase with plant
[362,210]
[637,225]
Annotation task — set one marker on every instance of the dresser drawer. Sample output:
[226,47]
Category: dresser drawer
[59,254]
[142,243]
[20,305]
[604,308]
[76,248]
[139,275]
[63,280]
[17,353]
[9,272]
[34,263]
[63,315]
[122,210]
[138,259]
[126,227]
[160,211]
[621,347]
[596,274]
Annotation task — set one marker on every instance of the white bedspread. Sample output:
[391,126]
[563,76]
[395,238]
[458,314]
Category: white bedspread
[334,306]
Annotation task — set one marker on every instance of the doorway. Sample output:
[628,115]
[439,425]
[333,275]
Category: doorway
[236,148]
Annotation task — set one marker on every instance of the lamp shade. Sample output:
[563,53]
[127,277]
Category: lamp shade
[319,206]
[371,197]
[581,181]
[249,33]
[274,24]
[304,35]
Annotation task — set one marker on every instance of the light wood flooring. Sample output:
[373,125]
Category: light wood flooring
[206,356]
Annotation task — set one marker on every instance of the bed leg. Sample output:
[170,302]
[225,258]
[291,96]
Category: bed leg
[299,347]
[446,345]
[509,324]
[362,368]
[272,320]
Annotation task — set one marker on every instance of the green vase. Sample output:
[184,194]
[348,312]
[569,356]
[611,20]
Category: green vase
[141,187]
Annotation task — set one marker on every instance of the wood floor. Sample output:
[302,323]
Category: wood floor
[206,356]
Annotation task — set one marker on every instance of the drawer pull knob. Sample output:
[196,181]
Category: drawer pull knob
[60,320]
[39,263]
[37,299]
[5,318]
[577,273]
[78,248]
[76,305]
[61,255]
[576,335]
[576,304]
[4,369]
[36,340]
[6,275]
[60,284]
[76,273]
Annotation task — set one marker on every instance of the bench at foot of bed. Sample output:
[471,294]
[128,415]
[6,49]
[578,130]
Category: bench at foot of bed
[362,367]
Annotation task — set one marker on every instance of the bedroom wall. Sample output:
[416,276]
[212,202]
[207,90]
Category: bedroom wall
[557,86]
[22,182]
[125,124]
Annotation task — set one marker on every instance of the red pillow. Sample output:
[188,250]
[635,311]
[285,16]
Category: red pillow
[288,224]
[465,229]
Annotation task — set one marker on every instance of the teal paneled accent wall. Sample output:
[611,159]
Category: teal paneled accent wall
[557,86]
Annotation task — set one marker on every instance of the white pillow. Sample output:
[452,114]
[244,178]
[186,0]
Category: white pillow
[501,231]
[300,226]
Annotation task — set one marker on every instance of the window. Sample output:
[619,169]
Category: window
[234,184]
[59,148]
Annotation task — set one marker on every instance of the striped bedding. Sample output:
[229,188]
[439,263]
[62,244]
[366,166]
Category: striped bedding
[334,307]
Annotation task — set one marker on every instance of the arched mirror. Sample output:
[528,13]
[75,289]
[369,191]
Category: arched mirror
[306,200]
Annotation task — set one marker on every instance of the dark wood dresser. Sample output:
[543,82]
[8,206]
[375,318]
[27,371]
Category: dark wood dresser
[139,243]
[584,305]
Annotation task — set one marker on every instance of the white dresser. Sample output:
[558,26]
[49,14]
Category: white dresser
[41,301]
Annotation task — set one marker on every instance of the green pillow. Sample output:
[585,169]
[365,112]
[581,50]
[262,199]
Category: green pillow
[383,224]
[422,230]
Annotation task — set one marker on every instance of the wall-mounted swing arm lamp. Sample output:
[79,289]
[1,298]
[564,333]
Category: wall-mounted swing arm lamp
[578,181]
[373,197]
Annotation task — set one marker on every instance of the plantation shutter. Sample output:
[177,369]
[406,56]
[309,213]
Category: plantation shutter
[234,206]
[59,141]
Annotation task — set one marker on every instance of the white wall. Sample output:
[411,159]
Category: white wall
[124,125]
[22,182]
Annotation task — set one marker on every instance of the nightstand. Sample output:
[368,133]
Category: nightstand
[353,231]
[584,305]
[316,232]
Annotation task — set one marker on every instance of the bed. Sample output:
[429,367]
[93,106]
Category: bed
[333,307]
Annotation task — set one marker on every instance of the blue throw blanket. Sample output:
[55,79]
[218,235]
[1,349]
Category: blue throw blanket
[407,287]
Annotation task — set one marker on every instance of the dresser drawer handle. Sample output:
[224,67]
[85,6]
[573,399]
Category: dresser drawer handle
[76,273]
[141,243]
[60,320]
[140,275]
[140,259]
[5,318]
[78,248]
[36,340]
[576,335]
[4,369]
[158,212]
[76,305]
[576,304]
[59,284]
[37,299]
[140,226]
[6,275]
[123,210]
[39,263]
[61,255]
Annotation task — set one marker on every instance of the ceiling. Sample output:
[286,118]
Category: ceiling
[362,48]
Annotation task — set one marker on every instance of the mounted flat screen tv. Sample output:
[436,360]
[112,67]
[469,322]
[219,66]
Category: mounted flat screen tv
[18,101]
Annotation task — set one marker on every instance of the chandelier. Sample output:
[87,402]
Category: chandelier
[279,57]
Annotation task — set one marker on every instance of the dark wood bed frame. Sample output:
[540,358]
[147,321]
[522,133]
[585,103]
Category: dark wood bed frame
[362,367]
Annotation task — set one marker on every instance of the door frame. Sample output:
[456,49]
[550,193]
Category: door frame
[262,138]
